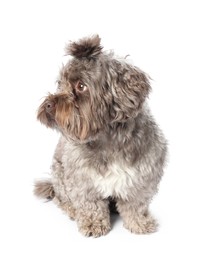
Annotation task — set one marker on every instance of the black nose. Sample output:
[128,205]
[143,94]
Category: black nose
[49,106]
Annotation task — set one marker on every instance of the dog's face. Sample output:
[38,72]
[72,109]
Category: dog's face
[94,90]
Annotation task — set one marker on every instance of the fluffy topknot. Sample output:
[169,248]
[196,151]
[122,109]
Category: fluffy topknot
[85,48]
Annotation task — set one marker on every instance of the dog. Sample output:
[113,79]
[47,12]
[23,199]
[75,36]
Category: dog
[110,148]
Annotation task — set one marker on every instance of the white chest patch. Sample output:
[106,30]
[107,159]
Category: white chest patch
[116,182]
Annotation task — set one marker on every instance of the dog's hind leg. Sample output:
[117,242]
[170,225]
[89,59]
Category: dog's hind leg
[44,190]
[61,198]
[55,189]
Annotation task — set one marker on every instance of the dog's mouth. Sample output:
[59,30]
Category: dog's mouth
[60,111]
[55,109]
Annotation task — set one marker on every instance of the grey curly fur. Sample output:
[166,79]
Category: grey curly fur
[110,145]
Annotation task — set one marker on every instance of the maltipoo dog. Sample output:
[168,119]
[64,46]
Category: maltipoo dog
[110,148]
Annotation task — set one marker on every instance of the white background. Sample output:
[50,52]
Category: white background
[165,39]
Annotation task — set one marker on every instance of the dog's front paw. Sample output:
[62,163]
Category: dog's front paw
[142,225]
[96,229]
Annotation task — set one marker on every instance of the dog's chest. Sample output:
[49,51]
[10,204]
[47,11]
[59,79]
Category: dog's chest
[116,181]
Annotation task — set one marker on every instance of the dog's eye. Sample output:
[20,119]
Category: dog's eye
[80,87]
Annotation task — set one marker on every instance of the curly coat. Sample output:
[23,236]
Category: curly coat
[110,145]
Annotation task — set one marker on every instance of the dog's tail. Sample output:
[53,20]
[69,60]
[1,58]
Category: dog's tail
[44,189]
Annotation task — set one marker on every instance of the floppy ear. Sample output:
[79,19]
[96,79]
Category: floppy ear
[85,48]
[130,87]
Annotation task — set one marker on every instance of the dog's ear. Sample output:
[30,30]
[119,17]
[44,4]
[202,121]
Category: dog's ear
[130,87]
[85,48]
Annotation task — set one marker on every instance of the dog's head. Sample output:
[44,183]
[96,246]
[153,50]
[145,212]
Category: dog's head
[95,89]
